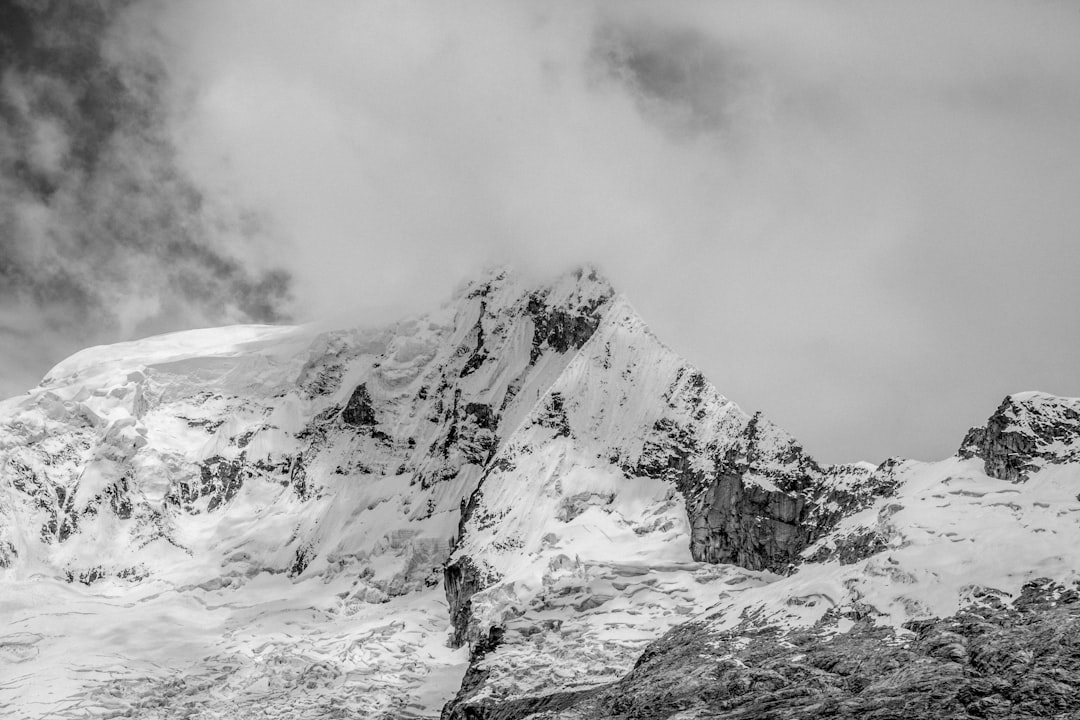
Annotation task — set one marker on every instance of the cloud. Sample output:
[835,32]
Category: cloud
[102,237]
[858,217]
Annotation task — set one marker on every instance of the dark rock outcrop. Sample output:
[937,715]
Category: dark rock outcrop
[219,479]
[482,415]
[1025,433]
[461,580]
[564,328]
[358,411]
[770,501]
[853,547]
[668,456]
[477,434]
[119,498]
[475,678]
[751,526]
[554,415]
[57,501]
[991,660]
[8,554]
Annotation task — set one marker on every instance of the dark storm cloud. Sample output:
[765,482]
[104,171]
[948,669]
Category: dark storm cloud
[102,236]
[679,76]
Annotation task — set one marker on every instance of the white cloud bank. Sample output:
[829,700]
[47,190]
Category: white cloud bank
[860,217]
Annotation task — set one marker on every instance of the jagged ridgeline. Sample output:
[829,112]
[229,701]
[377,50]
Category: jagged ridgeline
[519,505]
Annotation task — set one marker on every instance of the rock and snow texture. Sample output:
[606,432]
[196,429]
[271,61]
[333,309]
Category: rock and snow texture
[246,487]
[1027,432]
[607,490]
[953,593]
[991,660]
[499,504]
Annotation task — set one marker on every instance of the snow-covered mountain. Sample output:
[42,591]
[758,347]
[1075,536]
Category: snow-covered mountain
[519,505]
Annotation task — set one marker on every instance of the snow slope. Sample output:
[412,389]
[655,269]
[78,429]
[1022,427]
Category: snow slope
[506,498]
[186,504]
[176,512]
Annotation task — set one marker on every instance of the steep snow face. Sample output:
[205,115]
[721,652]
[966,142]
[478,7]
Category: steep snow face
[589,520]
[256,521]
[912,542]
[958,596]
[166,433]
[213,489]
[593,472]
[542,433]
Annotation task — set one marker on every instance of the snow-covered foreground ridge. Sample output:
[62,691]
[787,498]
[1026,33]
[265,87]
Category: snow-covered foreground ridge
[524,484]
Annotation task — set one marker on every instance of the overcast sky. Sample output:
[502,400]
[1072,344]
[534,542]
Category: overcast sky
[862,218]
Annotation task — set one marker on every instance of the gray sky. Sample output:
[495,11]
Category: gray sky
[859,217]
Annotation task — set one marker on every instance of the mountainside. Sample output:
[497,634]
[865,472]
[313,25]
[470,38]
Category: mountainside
[519,505]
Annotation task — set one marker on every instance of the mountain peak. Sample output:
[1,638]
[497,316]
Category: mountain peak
[530,451]
[1028,431]
[583,281]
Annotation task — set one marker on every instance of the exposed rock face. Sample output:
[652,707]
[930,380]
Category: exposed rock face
[770,501]
[359,411]
[991,660]
[686,477]
[482,416]
[564,329]
[475,680]
[588,415]
[7,554]
[461,580]
[220,459]
[429,399]
[219,480]
[753,496]
[751,526]
[1025,433]
[897,543]
[578,489]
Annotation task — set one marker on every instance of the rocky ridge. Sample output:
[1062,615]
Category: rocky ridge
[211,463]
[1027,432]
[990,660]
[951,593]
[502,504]
[603,471]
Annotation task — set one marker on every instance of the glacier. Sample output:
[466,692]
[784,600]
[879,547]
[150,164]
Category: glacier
[511,506]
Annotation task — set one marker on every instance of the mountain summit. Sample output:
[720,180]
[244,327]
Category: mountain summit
[520,504]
